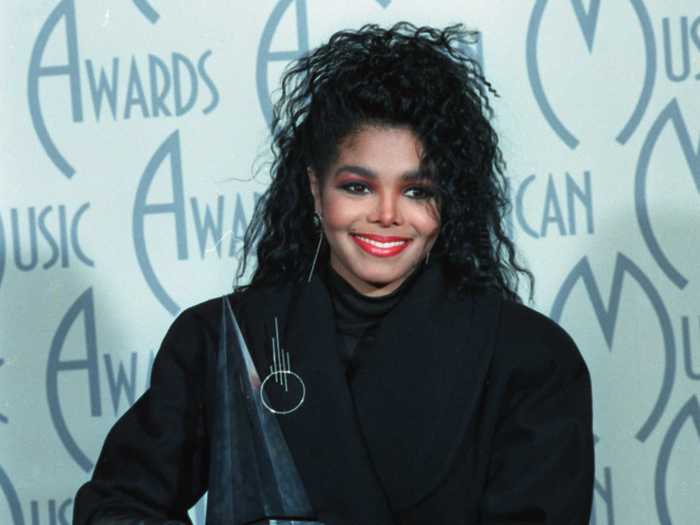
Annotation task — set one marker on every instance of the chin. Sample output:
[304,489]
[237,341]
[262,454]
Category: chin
[381,278]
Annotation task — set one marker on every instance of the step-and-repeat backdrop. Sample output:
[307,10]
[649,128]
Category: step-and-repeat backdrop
[133,147]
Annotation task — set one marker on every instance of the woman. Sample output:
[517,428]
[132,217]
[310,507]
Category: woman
[429,393]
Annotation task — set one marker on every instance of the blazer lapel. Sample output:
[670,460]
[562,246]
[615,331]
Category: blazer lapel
[417,385]
[322,434]
[387,439]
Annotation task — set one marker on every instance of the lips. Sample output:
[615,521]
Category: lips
[380,245]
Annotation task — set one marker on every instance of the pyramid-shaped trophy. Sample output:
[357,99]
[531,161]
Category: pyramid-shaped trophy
[252,476]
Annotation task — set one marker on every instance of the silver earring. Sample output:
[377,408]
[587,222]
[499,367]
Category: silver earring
[427,257]
[317,224]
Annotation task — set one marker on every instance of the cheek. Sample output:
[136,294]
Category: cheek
[429,229]
[338,213]
[426,221]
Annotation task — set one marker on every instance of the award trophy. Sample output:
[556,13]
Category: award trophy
[252,476]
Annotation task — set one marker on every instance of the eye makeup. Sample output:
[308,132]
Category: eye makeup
[421,191]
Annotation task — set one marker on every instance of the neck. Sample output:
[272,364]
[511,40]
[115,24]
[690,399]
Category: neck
[377,294]
[369,289]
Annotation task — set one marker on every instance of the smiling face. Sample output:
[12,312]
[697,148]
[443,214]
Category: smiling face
[379,217]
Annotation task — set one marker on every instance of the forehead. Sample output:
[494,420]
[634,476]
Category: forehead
[385,150]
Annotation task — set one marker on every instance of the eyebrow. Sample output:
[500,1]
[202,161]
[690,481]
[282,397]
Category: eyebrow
[365,172]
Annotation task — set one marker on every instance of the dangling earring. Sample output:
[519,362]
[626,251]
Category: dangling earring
[317,224]
[427,257]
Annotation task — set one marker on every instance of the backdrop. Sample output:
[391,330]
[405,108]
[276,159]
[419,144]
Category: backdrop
[129,137]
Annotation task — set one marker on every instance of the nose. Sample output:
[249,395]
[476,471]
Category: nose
[386,211]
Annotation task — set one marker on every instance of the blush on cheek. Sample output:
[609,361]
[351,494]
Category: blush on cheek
[340,211]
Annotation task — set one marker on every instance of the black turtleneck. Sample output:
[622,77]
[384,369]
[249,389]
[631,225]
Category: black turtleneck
[357,315]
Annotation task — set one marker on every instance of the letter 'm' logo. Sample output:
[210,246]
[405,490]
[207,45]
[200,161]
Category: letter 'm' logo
[607,319]
[688,414]
[588,22]
[671,115]
[12,500]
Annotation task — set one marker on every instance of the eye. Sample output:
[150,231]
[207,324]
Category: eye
[419,192]
[355,187]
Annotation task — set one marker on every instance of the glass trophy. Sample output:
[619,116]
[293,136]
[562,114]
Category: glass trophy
[252,476]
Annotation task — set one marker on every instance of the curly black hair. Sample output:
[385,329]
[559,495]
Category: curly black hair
[421,78]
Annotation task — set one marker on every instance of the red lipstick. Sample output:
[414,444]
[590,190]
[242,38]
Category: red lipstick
[382,238]
[399,244]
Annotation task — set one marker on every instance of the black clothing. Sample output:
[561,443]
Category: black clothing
[470,411]
[357,315]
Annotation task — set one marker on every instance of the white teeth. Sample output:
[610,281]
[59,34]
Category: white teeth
[381,244]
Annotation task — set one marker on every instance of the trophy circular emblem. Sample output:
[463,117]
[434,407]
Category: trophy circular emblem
[287,390]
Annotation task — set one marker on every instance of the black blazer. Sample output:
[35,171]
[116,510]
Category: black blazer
[471,411]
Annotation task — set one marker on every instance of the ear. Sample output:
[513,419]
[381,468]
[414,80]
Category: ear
[315,185]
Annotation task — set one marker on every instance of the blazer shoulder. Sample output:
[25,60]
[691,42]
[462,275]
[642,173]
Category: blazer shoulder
[249,305]
[201,318]
[531,341]
[207,314]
